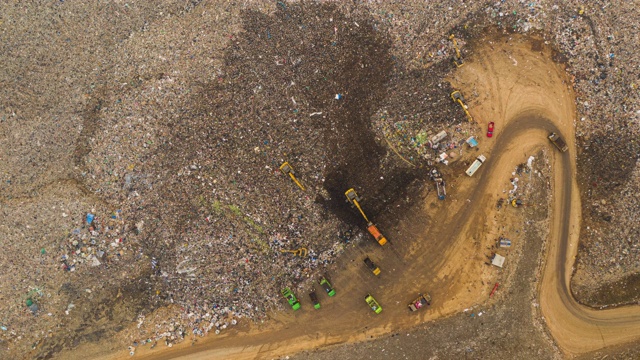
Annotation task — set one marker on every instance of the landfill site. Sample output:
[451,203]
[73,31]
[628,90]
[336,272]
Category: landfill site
[320,179]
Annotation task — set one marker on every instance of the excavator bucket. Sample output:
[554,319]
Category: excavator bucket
[456,95]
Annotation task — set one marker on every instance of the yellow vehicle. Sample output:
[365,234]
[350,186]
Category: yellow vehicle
[354,199]
[373,304]
[420,302]
[518,203]
[457,97]
[373,230]
[288,170]
[372,266]
[457,57]
[302,252]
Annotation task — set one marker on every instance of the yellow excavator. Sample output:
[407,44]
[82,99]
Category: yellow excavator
[518,203]
[302,252]
[457,57]
[354,199]
[457,97]
[288,170]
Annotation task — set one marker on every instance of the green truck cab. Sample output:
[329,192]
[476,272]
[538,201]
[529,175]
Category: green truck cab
[314,299]
[326,285]
[373,304]
[291,298]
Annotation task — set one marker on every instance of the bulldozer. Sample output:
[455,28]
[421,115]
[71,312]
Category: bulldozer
[287,169]
[457,97]
[457,57]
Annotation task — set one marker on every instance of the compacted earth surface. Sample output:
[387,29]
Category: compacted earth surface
[143,206]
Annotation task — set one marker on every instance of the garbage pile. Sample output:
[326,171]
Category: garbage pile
[180,136]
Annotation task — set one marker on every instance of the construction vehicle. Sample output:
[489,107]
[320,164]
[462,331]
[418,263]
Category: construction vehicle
[314,299]
[372,266]
[457,97]
[457,57]
[373,230]
[291,298]
[422,300]
[476,164]
[302,252]
[373,304]
[518,203]
[440,184]
[354,199]
[288,170]
[326,285]
[558,142]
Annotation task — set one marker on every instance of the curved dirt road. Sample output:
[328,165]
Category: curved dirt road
[575,328]
[526,89]
[520,90]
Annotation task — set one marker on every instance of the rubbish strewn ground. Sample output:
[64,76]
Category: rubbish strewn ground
[168,121]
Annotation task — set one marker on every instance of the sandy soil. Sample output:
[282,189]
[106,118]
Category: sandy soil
[513,82]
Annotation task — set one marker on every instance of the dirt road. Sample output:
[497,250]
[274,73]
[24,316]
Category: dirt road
[545,102]
[577,329]
[439,247]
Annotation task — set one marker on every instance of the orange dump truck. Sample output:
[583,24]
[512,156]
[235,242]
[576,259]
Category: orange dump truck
[373,230]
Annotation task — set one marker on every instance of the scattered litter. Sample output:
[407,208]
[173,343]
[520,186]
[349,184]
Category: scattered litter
[472,141]
[530,161]
[497,260]
[504,243]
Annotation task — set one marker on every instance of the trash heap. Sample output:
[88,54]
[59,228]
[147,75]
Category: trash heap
[184,131]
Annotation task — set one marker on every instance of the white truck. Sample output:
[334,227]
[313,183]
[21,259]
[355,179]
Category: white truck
[476,164]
